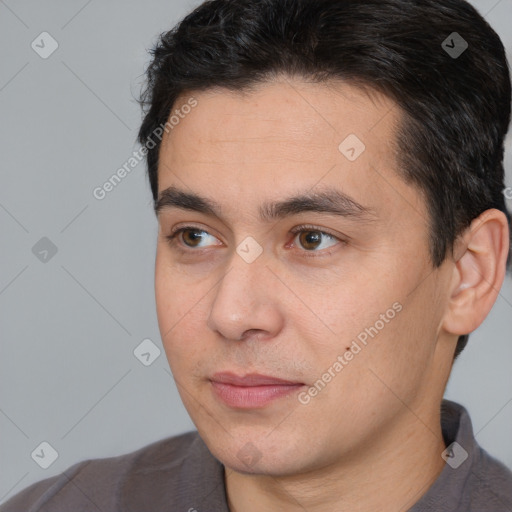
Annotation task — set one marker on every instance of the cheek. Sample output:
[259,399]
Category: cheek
[384,329]
[165,299]
[176,294]
[176,305]
[395,361]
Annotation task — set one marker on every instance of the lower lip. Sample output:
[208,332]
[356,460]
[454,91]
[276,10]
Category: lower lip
[252,397]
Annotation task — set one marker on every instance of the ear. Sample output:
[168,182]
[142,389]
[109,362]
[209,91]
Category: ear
[480,256]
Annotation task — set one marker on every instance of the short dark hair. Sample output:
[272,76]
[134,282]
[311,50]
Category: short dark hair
[455,108]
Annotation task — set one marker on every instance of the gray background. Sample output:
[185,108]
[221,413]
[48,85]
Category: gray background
[69,325]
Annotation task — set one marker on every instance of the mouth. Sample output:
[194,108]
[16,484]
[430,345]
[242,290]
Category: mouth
[251,391]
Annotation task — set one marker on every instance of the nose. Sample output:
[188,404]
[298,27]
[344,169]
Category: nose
[246,302]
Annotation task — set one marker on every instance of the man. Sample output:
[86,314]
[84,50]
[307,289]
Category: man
[328,178]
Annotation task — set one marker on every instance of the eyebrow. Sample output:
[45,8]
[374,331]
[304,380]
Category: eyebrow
[329,200]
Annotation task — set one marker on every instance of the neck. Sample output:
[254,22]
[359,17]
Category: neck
[389,473]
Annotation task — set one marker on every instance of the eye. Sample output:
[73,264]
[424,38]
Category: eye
[313,239]
[190,236]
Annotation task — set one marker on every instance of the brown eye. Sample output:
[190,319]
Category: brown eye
[313,239]
[310,239]
[191,237]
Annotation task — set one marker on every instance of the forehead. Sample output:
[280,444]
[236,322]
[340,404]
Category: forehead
[284,113]
[282,136]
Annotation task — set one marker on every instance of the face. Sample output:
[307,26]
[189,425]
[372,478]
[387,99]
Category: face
[333,294]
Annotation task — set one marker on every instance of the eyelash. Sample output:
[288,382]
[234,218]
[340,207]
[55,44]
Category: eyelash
[172,239]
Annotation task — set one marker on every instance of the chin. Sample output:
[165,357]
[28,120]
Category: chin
[260,455]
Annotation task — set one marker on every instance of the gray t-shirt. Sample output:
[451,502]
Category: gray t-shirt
[179,474]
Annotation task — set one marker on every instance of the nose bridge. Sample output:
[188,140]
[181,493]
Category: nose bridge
[244,298]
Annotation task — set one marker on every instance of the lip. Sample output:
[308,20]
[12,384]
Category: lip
[251,391]
[251,379]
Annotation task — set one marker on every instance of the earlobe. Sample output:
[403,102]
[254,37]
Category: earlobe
[480,256]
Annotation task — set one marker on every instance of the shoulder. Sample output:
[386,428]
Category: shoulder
[102,484]
[486,483]
[489,484]
[472,480]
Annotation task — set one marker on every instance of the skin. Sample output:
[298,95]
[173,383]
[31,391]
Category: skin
[371,439]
